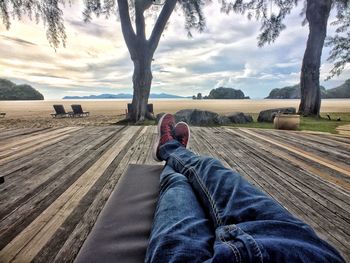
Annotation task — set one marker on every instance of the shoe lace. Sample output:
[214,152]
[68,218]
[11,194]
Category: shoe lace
[167,130]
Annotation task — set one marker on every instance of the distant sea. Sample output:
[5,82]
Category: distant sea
[152,99]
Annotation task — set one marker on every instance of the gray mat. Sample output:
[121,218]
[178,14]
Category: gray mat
[122,229]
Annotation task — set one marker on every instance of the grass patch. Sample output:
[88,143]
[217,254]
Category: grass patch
[144,123]
[322,124]
[261,125]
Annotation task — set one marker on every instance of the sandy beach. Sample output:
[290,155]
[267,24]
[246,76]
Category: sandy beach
[105,112]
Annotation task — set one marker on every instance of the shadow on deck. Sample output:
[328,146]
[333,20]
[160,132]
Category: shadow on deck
[57,180]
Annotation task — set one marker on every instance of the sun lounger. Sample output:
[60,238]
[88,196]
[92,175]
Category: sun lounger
[122,229]
[2,114]
[78,111]
[61,112]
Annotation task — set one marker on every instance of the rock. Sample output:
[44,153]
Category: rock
[239,117]
[205,118]
[226,93]
[224,120]
[269,115]
[159,115]
[200,117]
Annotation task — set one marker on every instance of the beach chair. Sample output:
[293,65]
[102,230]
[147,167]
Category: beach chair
[78,111]
[122,229]
[2,114]
[60,112]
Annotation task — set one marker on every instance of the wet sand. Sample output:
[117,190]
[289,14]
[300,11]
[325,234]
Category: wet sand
[105,112]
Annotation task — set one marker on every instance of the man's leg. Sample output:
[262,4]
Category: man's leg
[250,226]
[181,231]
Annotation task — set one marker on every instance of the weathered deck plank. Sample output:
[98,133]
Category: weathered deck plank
[82,229]
[25,146]
[7,136]
[62,156]
[334,153]
[58,180]
[303,160]
[76,227]
[45,225]
[36,201]
[307,153]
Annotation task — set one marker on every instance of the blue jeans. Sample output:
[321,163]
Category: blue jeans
[208,213]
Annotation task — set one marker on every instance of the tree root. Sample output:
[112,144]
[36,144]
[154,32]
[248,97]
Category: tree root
[128,121]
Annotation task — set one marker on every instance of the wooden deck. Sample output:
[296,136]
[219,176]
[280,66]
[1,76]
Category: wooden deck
[344,129]
[58,180]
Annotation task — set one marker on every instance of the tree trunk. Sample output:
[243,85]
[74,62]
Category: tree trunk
[141,51]
[317,14]
[142,80]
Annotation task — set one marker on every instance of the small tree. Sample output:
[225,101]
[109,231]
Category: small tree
[317,14]
[340,43]
[140,47]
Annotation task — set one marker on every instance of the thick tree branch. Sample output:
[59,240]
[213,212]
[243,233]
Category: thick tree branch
[128,31]
[159,27]
[140,23]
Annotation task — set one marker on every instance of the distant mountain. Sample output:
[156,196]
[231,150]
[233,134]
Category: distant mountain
[101,96]
[166,96]
[293,92]
[123,96]
[290,92]
[11,91]
[342,91]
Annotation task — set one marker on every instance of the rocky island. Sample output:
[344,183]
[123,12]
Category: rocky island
[223,93]
[11,91]
[293,92]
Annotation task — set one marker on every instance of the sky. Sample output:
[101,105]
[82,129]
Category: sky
[96,60]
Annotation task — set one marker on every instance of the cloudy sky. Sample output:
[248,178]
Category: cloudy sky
[96,59]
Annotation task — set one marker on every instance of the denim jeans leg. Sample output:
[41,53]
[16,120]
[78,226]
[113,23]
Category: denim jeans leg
[181,231]
[249,225]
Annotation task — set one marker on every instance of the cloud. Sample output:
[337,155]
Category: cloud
[17,40]
[96,59]
[91,28]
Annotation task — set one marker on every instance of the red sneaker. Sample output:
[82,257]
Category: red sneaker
[182,133]
[165,133]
